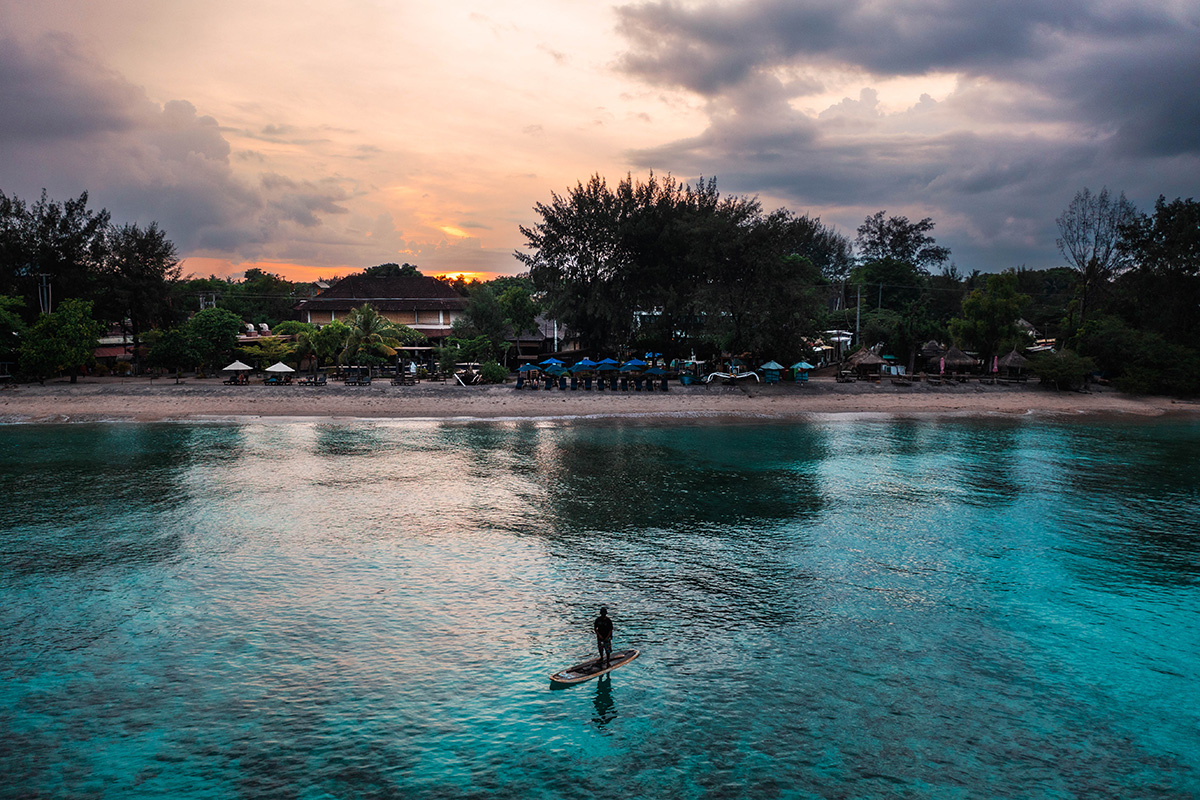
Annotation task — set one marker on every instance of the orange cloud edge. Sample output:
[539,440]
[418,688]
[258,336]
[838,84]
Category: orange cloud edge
[203,267]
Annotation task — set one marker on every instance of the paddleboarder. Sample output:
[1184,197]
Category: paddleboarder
[603,627]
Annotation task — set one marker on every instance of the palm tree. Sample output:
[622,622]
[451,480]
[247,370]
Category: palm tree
[374,338]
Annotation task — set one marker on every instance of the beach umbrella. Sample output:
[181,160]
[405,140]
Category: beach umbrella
[772,365]
[802,365]
[609,361]
[235,366]
[655,371]
[580,367]
[635,362]
[630,367]
[603,367]
[552,362]
[528,368]
[585,362]
[279,366]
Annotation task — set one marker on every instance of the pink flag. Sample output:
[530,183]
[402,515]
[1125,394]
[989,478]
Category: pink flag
[995,363]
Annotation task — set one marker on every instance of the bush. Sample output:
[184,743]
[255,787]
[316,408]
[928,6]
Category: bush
[492,372]
[1062,370]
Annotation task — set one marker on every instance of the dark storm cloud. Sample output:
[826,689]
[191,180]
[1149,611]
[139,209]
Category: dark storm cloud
[1050,97]
[53,91]
[68,124]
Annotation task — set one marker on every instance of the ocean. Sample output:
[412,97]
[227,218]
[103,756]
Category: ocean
[848,607]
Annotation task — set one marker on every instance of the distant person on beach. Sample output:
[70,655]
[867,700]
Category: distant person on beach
[603,627]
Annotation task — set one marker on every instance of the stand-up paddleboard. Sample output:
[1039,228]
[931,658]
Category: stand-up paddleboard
[590,669]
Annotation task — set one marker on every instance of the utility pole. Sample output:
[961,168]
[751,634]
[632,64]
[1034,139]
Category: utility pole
[858,316]
[44,298]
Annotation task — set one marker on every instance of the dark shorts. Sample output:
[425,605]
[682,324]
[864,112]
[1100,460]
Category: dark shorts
[605,646]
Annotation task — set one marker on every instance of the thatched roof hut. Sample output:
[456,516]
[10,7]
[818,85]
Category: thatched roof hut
[1013,363]
[932,349]
[958,360]
[864,357]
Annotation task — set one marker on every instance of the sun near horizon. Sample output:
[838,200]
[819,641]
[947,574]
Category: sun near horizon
[203,267]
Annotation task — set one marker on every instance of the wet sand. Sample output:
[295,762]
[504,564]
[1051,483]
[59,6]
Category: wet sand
[143,399]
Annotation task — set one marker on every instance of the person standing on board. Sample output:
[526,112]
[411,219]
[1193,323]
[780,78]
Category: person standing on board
[603,627]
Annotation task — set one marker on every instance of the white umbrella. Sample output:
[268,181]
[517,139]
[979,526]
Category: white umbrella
[279,366]
[236,366]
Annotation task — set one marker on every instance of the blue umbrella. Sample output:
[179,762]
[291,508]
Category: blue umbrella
[552,362]
[602,367]
[580,367]
[611,361]
[655,371]
[586,362]
[802,365]
[630,368]
[528,368]
[636,362]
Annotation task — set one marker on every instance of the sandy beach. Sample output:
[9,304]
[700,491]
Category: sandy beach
[143,399]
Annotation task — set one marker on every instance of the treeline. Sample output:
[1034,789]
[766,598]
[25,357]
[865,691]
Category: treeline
[661,266]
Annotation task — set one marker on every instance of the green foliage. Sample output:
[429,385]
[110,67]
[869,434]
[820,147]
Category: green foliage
[988,323]
[266,351]
[698,266]
[213,333]
[137,277]
[519,309]
[392,270]
[324,344]
[1140,362]
[12,327]
[171,350]
[260,297]
[291,327]
[65,241]
[373,339]
[62,341]
[897,239]
[1062,370]
[492,372]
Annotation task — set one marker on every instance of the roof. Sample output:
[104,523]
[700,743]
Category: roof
[408,293]
[865,358]
[957,358]
[358,287]
[1013,360]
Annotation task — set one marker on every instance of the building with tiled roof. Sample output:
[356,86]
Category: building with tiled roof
[422,303]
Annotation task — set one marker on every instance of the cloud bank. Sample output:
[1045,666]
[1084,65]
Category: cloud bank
[1045,98]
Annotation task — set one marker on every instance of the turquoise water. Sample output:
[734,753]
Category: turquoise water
[839,609]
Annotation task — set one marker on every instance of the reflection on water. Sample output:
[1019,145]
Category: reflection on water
[865,608]
[606,707]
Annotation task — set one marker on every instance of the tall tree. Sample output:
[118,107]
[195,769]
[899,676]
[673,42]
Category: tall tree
[12,328]
[373,338]
[138,272]
[881,237]
[1090,229]
[59,246]
[989,316]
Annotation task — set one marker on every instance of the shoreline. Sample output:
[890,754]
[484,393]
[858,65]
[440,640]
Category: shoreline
[207,399]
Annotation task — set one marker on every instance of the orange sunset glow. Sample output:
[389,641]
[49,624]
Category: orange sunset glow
[318,138]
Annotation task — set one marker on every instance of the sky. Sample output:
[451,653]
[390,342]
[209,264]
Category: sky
[314,138]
